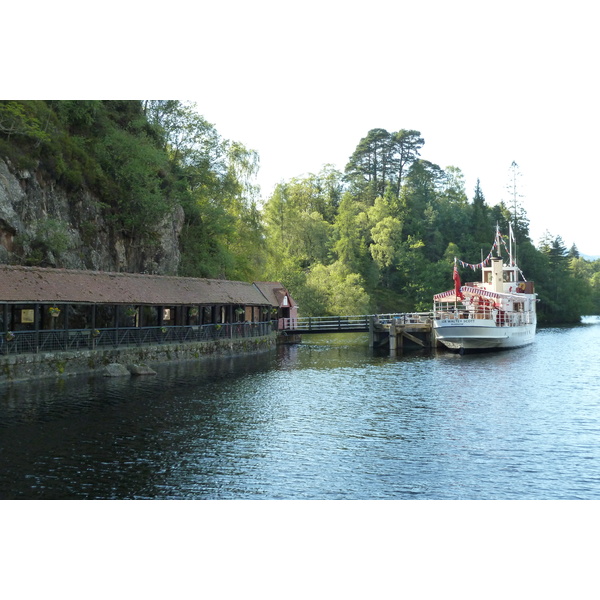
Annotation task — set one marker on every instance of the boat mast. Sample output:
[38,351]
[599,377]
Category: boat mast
[498,253]
[482,265]
[511,261]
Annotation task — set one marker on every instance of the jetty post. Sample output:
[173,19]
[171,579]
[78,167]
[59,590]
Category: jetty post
[410,330]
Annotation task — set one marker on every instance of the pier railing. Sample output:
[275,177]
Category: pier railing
[62,340]
[351,323]
[58,340]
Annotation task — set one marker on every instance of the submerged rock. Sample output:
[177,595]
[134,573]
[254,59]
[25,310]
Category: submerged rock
[115,370]
[140,370]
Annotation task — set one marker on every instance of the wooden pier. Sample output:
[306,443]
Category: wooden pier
[414,330]
[396,331]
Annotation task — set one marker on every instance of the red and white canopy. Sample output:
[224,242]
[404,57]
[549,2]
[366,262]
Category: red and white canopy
[467,290]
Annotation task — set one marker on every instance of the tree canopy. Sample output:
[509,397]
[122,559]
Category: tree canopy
[379,236]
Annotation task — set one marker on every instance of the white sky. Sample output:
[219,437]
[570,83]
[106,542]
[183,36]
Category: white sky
[302,82]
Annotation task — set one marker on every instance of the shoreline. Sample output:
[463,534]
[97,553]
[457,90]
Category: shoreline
[20,368]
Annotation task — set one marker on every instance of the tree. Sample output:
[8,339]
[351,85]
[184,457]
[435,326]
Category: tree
[223,231]
[382,158]
[561,294]
[574,252]
[423,184]
[350,245]
[387,237]
[369,165]
[16,119]
[341,292]
[295,227]
[595,291]
[134,171]
[405,149]
[480,222]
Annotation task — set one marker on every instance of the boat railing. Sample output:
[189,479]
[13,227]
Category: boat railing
[501,318]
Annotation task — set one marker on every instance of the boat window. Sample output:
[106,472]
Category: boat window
[508,276]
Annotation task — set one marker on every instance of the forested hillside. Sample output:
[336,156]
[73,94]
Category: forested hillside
[380,236]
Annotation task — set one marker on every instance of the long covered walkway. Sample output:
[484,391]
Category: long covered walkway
[45,310]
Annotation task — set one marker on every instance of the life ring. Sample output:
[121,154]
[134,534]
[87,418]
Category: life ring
[521,287]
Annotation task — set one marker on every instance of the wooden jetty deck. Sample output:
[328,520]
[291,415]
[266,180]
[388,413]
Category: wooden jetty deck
[396,330]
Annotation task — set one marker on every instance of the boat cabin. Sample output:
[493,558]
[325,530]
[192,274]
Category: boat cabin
[504,279]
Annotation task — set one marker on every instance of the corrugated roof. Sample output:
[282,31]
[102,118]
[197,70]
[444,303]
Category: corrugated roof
[33,284]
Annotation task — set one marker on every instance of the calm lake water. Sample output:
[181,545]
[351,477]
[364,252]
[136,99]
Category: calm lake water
[327,419]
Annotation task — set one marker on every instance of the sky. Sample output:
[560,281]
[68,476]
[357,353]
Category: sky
[301,83]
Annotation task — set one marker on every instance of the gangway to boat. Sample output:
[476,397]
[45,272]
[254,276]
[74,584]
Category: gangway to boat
[391,328]
[352,323]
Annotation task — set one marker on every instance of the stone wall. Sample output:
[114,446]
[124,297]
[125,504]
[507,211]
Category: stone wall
[23,367]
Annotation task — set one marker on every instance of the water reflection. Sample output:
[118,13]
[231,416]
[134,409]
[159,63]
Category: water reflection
[325,419]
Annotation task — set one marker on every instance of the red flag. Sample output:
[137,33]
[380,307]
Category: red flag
[456,278]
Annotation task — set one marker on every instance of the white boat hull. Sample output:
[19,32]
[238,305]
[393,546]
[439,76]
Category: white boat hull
[457,335]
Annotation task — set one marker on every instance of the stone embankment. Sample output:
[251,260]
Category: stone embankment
[134,360]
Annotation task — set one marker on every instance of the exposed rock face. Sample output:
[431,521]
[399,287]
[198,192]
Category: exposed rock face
[43,223]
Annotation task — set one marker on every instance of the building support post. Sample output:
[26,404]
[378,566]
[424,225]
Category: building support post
[66,326]
[116,309]
[93,326]
[36,326]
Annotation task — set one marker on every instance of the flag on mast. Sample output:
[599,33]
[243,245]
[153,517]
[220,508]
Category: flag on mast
[457,284]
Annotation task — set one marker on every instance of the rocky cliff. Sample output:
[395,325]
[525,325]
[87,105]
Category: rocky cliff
[42,224]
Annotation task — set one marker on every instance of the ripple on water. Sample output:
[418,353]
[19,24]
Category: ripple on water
[328,419]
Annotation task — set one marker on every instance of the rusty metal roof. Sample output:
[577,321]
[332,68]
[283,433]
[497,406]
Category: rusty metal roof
[34,284]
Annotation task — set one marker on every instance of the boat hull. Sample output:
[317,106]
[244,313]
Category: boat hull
[485,336]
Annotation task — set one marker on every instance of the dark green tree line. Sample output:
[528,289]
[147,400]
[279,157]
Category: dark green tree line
[391,242]
[379,236]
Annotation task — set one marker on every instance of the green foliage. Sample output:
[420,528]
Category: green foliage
[49,240]
[382,236]
[222,235]
[135,193]
[395,231]
[20,119]
[381,159]
[335,290]
[140,160]
[566,288]
[595,290]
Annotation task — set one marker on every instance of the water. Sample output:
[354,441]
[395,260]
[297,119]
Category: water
[328,419]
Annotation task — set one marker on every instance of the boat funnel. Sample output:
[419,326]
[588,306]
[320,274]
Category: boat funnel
[497,277]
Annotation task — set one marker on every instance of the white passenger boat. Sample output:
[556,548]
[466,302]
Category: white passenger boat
[498,312]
